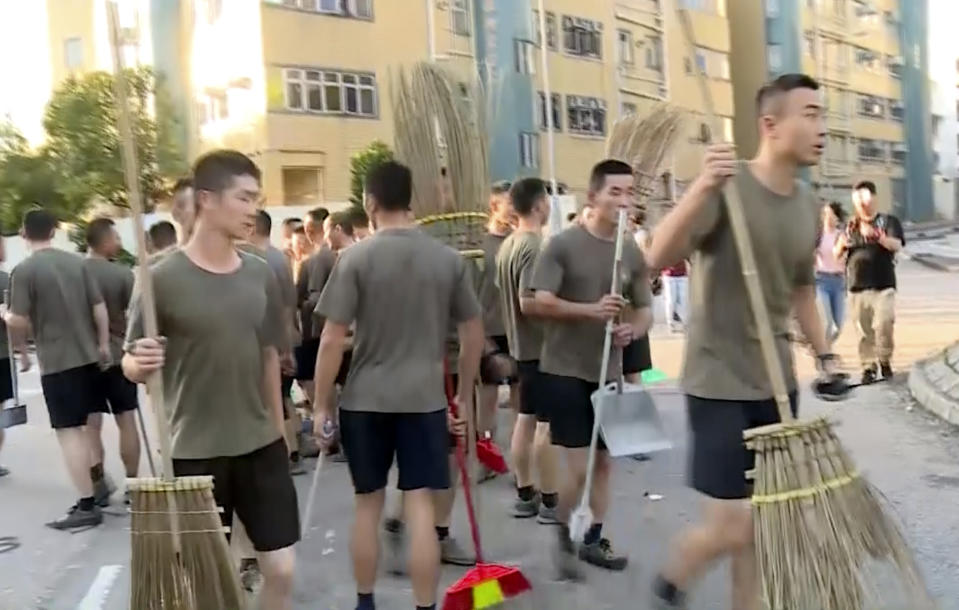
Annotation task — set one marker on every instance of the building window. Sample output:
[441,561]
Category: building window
[628,109]
[525,64]
[624,47]
[529,149]
[868,60]
[302,185]
[897,111]
[550,29]
[716,7]
[654,53]
[774,58]
[871,151]
[330,92]
[359,9]
[894,62]
[214,106]
[897,153]
[586,115]
[871,106]
[713,63]
[557,111]
[460,17]
[73,53]
[582,37]
[809,44]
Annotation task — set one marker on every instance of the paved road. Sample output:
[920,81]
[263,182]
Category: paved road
[913,459]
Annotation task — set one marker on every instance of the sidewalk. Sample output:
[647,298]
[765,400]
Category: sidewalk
[934,383]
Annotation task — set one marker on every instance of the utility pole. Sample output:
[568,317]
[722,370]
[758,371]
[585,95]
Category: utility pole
[555,213]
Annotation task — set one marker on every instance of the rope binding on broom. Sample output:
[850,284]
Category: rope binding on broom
[806,492]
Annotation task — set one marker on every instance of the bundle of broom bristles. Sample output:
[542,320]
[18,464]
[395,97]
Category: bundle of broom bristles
[643,141]
[440,134]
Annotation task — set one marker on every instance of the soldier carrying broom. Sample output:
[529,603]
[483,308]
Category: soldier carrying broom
[727,389]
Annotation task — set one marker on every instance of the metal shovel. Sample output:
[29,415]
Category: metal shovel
[15,415]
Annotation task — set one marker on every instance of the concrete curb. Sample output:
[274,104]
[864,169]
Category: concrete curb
[932,383]
[930,262]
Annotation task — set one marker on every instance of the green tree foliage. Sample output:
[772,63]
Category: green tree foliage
[360,165]
[84,141]
[28,180]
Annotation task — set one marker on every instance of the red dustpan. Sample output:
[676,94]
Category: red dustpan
[488,584]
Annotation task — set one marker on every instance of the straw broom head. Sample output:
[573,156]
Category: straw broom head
[644,142]
[442,138]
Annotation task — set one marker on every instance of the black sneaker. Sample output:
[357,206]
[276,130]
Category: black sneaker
[666,596]
[76,518]
[601,554]
[868,375]
[885,370]
[3,471]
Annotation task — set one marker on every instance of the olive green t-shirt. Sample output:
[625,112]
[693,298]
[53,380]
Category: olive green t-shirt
[514,265]
[54,290]
[577,266]
[4,340]
[404,290]
[493,323]
[723,359]
[280,266]
[116,285]
[314,273]
[216,327]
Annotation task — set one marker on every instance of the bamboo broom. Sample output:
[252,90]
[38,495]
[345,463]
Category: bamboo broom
[817,521]
[180,557]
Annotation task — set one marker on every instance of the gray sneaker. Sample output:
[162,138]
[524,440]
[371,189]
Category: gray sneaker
[297,468]
[76,518]
[395,547]
[547,515]
[250,576]
[658,603]
[451,553]
[524,509]
[102,492]
[600,554]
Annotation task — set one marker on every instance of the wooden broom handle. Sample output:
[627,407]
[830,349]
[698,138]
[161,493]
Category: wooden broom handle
[737,219]
[147,301]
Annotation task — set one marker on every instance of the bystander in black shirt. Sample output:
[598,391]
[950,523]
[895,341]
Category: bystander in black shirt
[869,266]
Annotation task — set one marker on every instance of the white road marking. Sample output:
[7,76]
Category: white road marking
[100,588]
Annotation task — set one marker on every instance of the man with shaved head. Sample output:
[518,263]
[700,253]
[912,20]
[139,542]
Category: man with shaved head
[727,388]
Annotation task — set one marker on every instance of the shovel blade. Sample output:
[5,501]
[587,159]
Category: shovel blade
[629,421]
[579,522]
[13,416]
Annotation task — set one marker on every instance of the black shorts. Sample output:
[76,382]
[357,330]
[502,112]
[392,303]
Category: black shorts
[259,488]
[344,371]
[719,458]
[419,442]
[570,410]
[532,390]
[6,380]
[305,354]
[488,375]
[72,395]
[117,393]
[636,356]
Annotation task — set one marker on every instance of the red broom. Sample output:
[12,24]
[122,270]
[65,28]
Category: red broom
[487,584]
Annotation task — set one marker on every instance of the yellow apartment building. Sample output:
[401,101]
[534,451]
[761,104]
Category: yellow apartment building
[853,48]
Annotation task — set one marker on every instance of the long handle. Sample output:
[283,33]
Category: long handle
[308,511]
[464,472]
[737,219]
[604,367]
[13,362]
[147,301]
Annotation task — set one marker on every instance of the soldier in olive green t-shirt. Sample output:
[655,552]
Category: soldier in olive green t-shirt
[725,379]
[572,281]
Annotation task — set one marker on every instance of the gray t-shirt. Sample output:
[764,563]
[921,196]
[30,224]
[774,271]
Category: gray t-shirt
[577,266]
[280,265]
[514,264]
[4,339]
[404,290]
[723,359]
[216,327]
[54,290]
[116,286]
[488,292]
